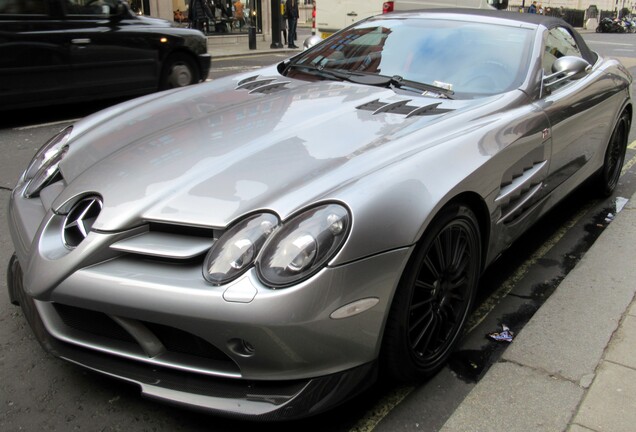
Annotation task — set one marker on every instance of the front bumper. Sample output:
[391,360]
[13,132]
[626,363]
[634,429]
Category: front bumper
[205,61]
[258,400]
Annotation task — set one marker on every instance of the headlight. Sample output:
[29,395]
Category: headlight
[303,245]
[43,169]
[237,249]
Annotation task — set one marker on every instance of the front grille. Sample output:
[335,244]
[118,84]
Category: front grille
[179,341]
[175,341]
[95,323]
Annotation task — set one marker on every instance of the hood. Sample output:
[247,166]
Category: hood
[209,153]
[153,22]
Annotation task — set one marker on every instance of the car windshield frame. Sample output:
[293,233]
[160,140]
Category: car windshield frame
[468,58]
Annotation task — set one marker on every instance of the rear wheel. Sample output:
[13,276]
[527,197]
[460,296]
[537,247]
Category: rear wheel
[434,297]
[179,70]
[607,178]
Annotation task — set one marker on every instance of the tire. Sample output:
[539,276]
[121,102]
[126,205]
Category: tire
[179,70]
[599,29]
[608,176]
[434,297]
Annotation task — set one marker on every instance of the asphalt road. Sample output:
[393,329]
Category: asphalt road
[39,392]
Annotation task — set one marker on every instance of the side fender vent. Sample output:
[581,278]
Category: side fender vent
[521,186]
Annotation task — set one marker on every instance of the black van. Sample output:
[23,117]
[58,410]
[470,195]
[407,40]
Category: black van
[58,51]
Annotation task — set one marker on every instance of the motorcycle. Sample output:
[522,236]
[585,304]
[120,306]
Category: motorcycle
[630,25]
[608,25]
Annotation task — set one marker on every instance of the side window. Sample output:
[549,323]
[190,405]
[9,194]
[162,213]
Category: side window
[23,7]
[89,7]
[558,44]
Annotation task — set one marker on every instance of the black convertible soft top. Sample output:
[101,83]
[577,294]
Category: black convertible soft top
[526,18]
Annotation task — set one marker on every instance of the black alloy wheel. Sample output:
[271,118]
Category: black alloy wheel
[435,296]
[614,157]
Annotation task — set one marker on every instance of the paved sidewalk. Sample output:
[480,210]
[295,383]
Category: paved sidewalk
[237,45]
[241,49]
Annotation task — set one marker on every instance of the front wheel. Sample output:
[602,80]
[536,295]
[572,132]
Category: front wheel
[434,297]
[179,70]
[599,29]
[607,178]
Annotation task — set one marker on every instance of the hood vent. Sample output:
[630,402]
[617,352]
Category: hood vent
[402,108]
[263,85]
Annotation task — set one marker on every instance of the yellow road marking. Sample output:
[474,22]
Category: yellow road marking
[394,398]
[632,145]
[630,163]
[381,409]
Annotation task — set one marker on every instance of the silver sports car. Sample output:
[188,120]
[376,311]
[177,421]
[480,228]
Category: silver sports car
[267,244]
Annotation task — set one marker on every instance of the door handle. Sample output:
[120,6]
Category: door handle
[81,41]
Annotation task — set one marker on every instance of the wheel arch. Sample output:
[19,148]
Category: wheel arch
[478,206]
[630,110]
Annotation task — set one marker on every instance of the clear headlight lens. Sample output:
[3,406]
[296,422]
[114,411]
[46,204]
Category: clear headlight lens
[237,249]
[45,164]
[303,245]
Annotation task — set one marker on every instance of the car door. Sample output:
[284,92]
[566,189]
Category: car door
[34,63]
[579,111]
[109,53]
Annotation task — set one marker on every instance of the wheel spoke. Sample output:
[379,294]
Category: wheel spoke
[424,331]
[439,247]
[431,267]
[434,341]
[454,289]
[424,337]
[459,252]
[418,305]
[452,315]
[419,320]
[422,284]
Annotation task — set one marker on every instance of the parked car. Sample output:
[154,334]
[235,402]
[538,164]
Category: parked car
[58,51]
[266,244]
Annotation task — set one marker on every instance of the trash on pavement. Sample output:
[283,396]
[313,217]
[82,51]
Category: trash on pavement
[505,335]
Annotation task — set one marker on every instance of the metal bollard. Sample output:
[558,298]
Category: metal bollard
[251,37]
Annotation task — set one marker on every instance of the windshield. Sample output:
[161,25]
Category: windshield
[468,58]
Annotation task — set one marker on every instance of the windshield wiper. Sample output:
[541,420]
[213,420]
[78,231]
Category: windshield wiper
[401,83]
[321,71]
[395,81]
